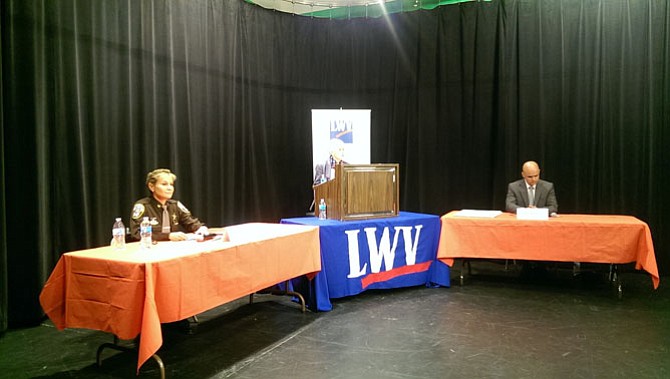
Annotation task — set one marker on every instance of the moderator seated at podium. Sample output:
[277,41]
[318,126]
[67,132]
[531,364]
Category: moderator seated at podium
[326,171]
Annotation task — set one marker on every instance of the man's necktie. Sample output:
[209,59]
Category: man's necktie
[166,221]
[531,196]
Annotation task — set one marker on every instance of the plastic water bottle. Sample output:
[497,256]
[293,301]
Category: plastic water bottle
[119,234]
[322,210]
[145,233]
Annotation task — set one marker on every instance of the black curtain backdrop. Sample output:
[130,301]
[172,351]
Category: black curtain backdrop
[4,294]
[97,93]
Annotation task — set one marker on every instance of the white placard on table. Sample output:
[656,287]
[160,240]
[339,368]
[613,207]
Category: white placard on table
[532,213]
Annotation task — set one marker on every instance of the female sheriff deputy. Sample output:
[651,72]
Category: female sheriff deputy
[171,220]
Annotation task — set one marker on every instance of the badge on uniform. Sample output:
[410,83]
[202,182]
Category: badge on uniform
[138,211]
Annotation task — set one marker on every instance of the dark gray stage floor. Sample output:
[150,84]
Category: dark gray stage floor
[500,324]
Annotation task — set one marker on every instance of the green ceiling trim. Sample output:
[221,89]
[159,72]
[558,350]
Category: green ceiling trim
[372,10]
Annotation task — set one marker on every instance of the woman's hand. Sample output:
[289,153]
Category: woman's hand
[178,236]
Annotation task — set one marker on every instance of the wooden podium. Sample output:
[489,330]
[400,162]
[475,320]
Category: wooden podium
[360,191]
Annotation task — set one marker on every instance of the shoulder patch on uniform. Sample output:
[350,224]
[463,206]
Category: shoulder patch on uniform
[138,211]
[182,207]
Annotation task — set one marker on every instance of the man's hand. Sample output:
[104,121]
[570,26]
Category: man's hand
[225,236]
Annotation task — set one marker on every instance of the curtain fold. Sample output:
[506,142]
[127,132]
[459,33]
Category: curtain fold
[97,93]
[4,292]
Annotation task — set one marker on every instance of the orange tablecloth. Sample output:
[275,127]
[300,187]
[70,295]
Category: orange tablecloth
[567,238]
[133,291]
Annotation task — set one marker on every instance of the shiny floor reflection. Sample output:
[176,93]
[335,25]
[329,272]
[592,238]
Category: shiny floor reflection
[500,323]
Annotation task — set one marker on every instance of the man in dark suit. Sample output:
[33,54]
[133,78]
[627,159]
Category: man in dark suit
[326,171]
[531,191]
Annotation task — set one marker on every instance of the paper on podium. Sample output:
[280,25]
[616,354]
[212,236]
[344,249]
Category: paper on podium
[477,213]
[532,213]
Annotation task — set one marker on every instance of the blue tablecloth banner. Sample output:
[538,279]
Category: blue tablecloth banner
[379,253]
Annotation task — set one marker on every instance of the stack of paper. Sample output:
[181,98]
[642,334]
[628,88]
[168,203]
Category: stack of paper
[477,213]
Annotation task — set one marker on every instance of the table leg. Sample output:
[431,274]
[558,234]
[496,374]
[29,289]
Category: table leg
[615,279]
[284,292]
[463,264]
[115,346]
[576,268]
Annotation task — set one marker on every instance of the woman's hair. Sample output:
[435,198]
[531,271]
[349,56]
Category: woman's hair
[152,177]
